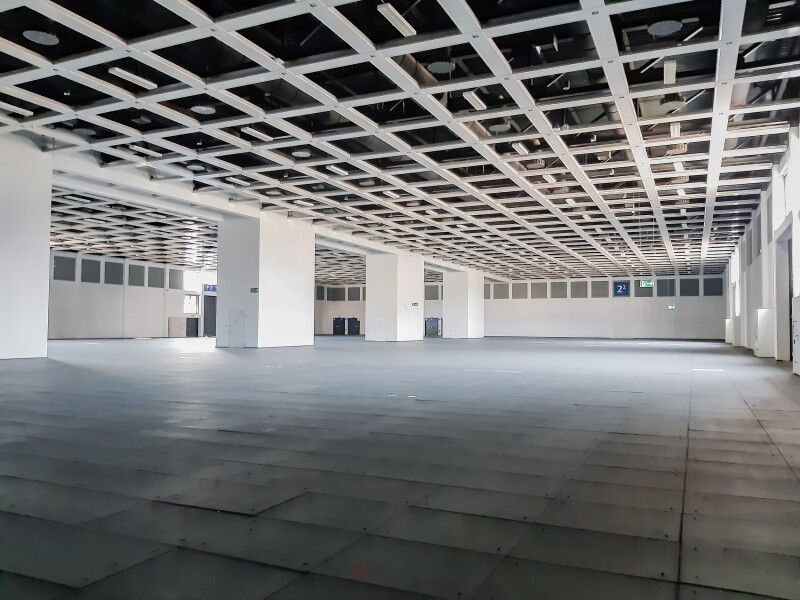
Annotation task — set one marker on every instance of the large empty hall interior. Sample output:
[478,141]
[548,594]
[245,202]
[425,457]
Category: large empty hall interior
[399,300]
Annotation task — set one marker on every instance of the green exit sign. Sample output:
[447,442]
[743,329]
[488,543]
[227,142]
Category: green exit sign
[646,283]
[253,290]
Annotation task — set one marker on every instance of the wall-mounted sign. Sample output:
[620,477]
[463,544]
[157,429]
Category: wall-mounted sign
[646,283]
[209,287]
[415,304]
[670,307]
[253,290]
[622,289]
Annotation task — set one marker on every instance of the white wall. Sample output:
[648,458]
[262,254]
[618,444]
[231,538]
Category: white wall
[758,271]
[286,295]
[81,310]
[434,308]
[395,297]
[238,247]
[624,318]
[463,305]
[26,176]
[266,282]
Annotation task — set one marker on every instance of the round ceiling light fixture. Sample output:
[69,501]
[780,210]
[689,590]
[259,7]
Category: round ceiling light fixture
[42,38]
[366,182]
[442,67]
[301,153]
[84,131]
[503,127]
[203,109]
[196,167]
[664,28]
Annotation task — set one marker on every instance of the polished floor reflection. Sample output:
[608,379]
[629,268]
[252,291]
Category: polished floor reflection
[489,469]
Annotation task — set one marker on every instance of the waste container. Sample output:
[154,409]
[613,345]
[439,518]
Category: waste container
[353,326]
[338,326]
[433,327]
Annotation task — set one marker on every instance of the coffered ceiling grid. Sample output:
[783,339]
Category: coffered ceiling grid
[569,140]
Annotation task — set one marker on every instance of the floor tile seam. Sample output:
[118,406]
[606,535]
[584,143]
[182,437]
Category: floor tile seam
[425,595]
[182,543]
[675,583]
[795,471]
[750,595]
[85,487]
[272,464]
[681,516]
[167,549]
[365,454]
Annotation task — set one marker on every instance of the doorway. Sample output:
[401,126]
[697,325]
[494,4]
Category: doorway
[210,316]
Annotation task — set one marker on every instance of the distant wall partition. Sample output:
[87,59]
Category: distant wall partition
[107,297]
[626,308]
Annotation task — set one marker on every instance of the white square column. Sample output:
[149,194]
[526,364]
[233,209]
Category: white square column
[26,179]
[265,282]
[462,304]
[395,310]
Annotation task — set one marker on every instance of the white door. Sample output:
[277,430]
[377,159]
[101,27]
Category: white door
[237,325]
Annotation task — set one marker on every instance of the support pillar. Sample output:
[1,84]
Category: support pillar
[265,279]
[395,309]
[462,304]
[26,176]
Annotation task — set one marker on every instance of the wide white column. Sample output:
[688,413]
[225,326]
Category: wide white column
[26,176]
[462,304]
[395,310]
[265,282]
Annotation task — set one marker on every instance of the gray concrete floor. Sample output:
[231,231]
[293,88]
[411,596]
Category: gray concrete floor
[498,468]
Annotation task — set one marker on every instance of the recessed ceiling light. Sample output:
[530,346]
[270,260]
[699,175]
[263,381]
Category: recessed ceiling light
[140,81]
[366,182]
[412,203]
[396,19]
[336,169]
[272,192]
[42,38]
[237,181]
[203,109]
[196,167]
[520,148]
[442,67]
[301,153]
[257,134]
[143,150]
[474,100]
[392,194]
[142,120]
[78,199]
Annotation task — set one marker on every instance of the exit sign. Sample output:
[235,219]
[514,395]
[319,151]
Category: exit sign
[646,283]
[253,290]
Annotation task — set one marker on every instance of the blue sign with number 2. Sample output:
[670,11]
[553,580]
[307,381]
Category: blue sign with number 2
[622,288]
